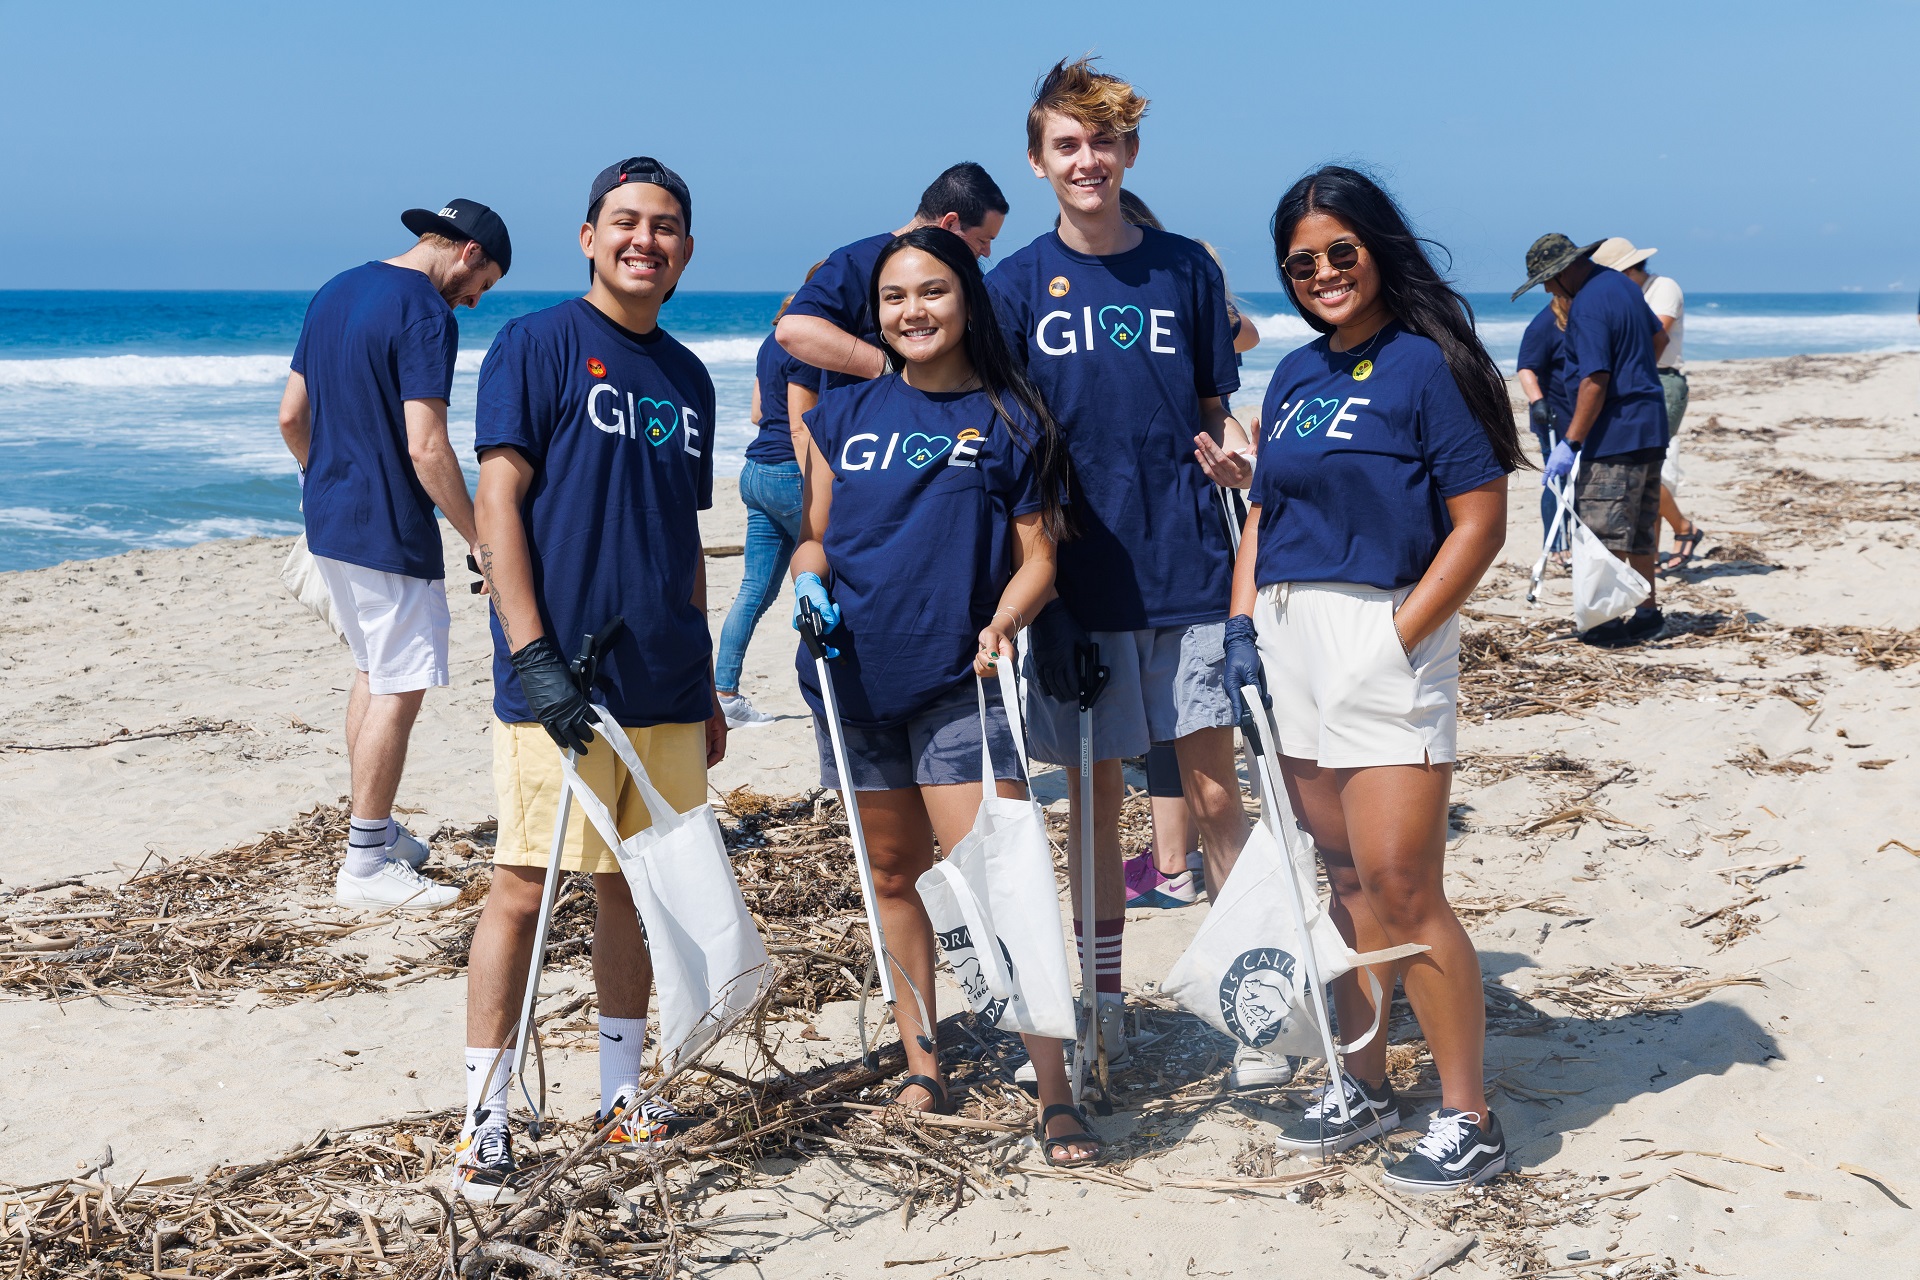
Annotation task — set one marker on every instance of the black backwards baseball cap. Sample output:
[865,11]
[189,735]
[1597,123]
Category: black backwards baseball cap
[643,169]
[464,220]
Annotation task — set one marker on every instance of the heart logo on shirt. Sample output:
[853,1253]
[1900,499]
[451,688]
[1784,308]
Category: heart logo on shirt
[922,449]
[661,419]
[1313,414]
[1122,324]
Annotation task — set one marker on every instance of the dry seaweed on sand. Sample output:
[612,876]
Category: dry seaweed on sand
[1613,992]
[1511,669]
[200,929]
[1803,507]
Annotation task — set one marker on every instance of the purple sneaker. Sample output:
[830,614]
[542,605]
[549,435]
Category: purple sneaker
[1147,886]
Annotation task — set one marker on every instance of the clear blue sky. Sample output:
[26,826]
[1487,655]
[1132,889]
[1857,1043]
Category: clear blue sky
[1760,146]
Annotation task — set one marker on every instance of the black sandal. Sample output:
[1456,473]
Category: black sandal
[1086,1137]
[942,1105]
[1684,545]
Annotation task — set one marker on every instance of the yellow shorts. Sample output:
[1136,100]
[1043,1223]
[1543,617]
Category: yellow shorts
[526,779]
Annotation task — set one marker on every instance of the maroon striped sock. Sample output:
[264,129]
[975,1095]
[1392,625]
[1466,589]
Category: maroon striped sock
[1106,953]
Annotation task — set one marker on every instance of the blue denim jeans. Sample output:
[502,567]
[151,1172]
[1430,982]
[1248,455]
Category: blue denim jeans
[771,492]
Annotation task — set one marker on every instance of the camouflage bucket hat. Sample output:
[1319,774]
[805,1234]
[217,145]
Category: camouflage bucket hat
[1550,255]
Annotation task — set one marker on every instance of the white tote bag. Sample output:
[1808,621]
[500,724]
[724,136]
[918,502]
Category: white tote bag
[998,884]
[708,960]
[1605,587]
[1243,974]
[302,579]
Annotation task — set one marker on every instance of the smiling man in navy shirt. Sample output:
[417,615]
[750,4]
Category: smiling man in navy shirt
[595,432]
[827,325]
[1619,423]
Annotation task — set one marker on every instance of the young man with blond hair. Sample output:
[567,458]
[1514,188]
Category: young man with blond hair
[595,435]
[1126,332]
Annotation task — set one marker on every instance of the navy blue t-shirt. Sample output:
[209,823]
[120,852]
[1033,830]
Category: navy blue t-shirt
[619,429]
[1543,349]
[374,337]
[1610,330]
[919,539]
[838,292]
[773,369]
[1358,453]
[1124,348]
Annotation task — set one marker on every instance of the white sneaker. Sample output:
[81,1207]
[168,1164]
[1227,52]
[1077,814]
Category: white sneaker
[408,848]
[740,713]
[395,885]
[1258,1069]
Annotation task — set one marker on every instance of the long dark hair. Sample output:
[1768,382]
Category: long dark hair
[1421,299]
[1003,379]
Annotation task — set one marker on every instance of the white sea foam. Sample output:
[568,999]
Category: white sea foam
[145,371]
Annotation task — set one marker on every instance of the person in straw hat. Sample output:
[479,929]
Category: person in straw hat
[1669,305]
[1619,424]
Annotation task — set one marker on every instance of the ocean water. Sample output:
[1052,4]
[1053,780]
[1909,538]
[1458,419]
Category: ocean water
[150,419]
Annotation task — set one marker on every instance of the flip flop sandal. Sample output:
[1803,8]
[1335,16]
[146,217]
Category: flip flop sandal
[1684,546]
[1085,1138]
[942,1105]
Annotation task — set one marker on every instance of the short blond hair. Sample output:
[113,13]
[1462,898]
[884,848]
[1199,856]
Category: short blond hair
[1094,98]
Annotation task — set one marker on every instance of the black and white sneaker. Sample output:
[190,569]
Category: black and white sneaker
[1461,1149]
[654,1121]
[483,1166]
[1370,1114]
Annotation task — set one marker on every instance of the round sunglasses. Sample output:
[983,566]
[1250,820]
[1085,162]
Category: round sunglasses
[1341,255]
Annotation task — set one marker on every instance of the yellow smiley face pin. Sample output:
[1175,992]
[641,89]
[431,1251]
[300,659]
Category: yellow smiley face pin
[1058,286]
[1363,371]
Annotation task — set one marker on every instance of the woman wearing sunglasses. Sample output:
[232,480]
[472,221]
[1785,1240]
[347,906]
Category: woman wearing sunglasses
[1379,501]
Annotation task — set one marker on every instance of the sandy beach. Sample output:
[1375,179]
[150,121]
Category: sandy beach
[1688,869]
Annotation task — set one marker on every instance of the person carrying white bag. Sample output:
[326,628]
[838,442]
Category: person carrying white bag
[1379,502]
[593,426]
[933,497]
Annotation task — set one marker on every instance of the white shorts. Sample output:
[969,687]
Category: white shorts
[396,626]
[1345,694]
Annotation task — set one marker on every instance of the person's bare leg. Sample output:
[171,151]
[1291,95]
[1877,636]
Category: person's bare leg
[1315,793]
[952,810]
[1670,512]
[502,947]
[358,695]
[622,969]
[379,750]
[900,846]
[1109,881]
[1397,824]
[1644,566]
[1172,833]
[1213,793]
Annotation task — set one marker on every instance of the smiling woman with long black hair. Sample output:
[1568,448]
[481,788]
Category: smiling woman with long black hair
[1379,501]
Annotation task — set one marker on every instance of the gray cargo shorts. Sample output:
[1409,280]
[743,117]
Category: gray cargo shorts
[1167,682]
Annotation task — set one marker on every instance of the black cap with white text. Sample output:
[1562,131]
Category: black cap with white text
[464,220]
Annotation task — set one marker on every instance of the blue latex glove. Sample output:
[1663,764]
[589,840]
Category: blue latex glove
[1243,663]
[1559,462]
[808,588]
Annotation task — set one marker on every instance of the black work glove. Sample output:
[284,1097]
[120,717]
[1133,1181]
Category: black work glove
[556,701]
[1539,417]
[1054,635]
[1243,663]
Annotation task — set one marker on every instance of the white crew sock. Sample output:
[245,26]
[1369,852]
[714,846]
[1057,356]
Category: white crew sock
[622,1041]
[487,1095]
[367,846]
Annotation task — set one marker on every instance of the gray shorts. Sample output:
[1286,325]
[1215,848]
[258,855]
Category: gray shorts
[937,748]
[1167,682]
[1619,499]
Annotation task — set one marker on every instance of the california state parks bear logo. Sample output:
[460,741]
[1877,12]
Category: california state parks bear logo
[1257,995]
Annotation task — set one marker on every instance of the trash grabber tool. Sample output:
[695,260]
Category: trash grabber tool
[1093,1046]
[586,669]
[1563,493]
[813,632]
[1257,727]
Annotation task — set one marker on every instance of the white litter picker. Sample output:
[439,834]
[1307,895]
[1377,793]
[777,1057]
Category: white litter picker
[1092,1054]
[1605,587]
[813,632]
[586,670]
